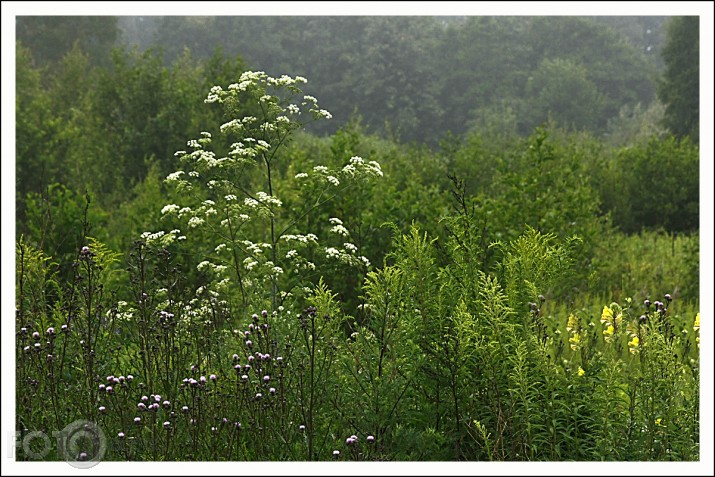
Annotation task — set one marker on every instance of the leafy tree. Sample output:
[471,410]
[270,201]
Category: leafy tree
[561,90]
[679,88]
[655,185]
[618,69]
[50,38]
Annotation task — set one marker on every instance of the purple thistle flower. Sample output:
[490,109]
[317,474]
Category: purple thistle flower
[167,424]
[137,420]
[259,396]
[145,399]
[141,406]
[130,378]
[668,297]
[110,378]
[235,357]
[157,397]
[272,390]
[185,409]
[50,357]
[264,313]
[36,335]
[244,377]
[255,317]
[202,379]
[64,328]
[354,437]
[250,358]
[237,425]
[102,409]
[116,381]
[279,360]
[370,439]
[336,453]
[23,330]
[51,330]
[120,435]
[249,343]
[212,377]
[301,428]
[101,387]
[350,441]
[250,326]
[238,368]
[247,367]
[82,455]
[266,378]
[121,379]
[85,250]
[647,303]
[110,390]
[166,404]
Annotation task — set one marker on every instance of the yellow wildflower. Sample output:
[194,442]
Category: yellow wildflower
[633,345]
[575,341]
[581,372]
[609,331]
[573,323]
[696,325]
[606,315]
[658,422]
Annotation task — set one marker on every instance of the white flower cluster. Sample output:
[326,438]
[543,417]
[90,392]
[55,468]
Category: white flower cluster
[268,200]
[174,176]
[347,257]
[162,238]
[195,222]
[169,209]
[304,239]
[340,230]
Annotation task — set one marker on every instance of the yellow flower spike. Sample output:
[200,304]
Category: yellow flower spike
[575,341]
[581,372]
[633,345]
[619,318]
[572,323]
[696,325]
[658,422]
[606,315]
[609,331]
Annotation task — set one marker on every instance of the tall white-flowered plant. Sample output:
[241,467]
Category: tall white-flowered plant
[214,195]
